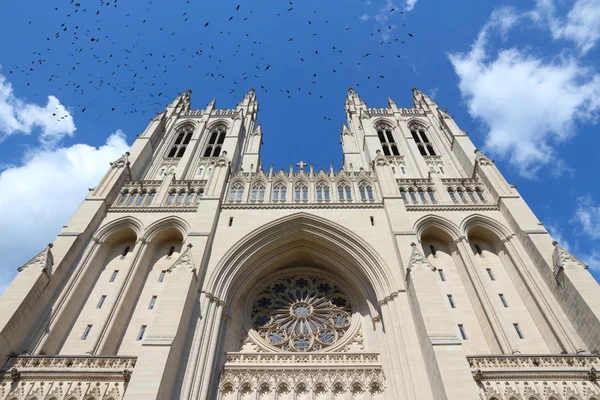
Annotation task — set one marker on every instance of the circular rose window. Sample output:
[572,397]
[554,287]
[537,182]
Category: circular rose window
[301,313]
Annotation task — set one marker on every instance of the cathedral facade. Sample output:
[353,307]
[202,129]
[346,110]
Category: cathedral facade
[190,272]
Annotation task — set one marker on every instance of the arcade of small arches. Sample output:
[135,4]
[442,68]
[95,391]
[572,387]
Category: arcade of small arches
[322,191]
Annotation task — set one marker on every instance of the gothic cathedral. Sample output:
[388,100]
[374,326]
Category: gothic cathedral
[191,272]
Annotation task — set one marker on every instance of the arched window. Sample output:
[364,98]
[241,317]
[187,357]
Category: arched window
[190,197]
[423,143]
[181,141]
[181,197]
[366,191]
[421,194]
[171,251]
[478,250]
[411,193]
[301,191]
[403,194]
[432,250]
[452,195]
[344,191]
[122,197]
[480,194]
[258,192]
[151,197]
[132,197]
[215,141]
[171,198]
[141,198]
[461,194]
[386,138]
[199,195]
[431,194]
[279,191]
[124,254]
[471,195]
[236,192]
[322,191]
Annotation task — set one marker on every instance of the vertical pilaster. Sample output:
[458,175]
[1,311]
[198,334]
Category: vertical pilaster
[108,338]
[161,350]
[495,334]
[448,372]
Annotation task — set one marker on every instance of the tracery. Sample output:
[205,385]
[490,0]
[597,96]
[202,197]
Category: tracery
[301,313]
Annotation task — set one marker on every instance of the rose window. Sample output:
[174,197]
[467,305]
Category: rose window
[301,313]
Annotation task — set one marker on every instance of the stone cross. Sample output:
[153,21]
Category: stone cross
[301,164]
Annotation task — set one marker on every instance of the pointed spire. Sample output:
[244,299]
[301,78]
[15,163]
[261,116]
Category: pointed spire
[44,260]
[353,101]
[248,99]
[185,260]
[257,131]
[418,260]
[345,130]
[392,105]
[561,257]
[421,100]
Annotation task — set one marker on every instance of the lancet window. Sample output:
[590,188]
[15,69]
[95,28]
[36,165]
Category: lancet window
[386,138]
[184,197]
[279,191]
[215,141]
[236,192]
[181,141]
[258,192]
[344,191]
[322,190]
[301,191]
[135,198]
[366,191]
[422,141]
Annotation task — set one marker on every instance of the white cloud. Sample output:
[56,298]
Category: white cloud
[581,24]
[18,116]
[410,4]
[364,17]
[587,216]
[527,104]
[40,195]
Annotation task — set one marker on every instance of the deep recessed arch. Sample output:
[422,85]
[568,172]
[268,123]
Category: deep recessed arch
[124,223]
[293,235]
[157,227]
[441,223]
[482,221]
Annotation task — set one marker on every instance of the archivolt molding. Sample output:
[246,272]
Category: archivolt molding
[368,262]
[478,220]
[103,233]
[441,223]
[172,221]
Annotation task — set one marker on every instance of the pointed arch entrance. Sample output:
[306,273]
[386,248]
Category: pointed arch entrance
[297,247]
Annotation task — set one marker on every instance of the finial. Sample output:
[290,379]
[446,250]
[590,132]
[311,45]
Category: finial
[301,164]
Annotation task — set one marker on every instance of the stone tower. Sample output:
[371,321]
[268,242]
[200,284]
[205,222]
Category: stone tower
[191,272]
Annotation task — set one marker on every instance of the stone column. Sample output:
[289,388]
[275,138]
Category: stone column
[191,374]
[483,303]
[442,349]
[63,315]
[402,384]
[110,330]
[211,348]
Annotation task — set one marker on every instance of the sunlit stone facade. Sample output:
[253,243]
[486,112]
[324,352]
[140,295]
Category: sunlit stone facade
[192,271]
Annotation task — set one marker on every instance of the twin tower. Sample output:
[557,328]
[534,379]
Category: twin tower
[191,272]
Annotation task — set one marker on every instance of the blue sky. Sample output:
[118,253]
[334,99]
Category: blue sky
[78,82]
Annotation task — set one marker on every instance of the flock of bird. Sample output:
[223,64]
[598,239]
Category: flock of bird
[133,64]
